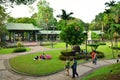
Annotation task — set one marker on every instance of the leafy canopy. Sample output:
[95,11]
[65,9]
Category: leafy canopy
[73,34]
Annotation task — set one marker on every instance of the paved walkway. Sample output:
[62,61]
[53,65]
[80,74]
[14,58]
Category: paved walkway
[83,69]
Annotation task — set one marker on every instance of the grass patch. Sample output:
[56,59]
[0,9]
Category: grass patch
[26,64]
[104,73]
[9,50]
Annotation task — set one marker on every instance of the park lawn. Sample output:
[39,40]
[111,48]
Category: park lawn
[110,72]
[26,64]
[9,50]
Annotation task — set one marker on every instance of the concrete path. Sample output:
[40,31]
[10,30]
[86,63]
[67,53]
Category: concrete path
[83,69]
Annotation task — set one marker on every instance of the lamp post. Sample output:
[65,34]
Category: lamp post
[52,33]
[85,52]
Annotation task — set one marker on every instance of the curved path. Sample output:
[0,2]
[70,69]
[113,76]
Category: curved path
[83,69]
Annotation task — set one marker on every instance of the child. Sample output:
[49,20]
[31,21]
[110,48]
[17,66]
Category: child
[67,66]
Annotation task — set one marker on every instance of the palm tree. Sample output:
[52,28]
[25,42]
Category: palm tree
[111,3]
[110,31]
[65,17]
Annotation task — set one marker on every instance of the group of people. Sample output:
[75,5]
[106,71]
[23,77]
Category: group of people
[73,67]
[42,56]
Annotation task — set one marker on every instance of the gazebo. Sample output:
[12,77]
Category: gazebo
[21,31]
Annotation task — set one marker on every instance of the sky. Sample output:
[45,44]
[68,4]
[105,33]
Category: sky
[86,10]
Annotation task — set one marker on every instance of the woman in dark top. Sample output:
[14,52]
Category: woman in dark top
[74,68]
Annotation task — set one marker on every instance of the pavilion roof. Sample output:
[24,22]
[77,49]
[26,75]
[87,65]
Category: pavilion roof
[21,26]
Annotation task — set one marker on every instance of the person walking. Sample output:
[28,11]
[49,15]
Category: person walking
[67,66]
[74,68]
[94,57]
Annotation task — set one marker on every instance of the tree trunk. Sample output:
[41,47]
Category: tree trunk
[112,46]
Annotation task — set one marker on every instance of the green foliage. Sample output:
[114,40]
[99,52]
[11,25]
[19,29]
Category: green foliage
[19,44]
[78,56]
[45,14]
[116,48]
[61,24]
[101,43]
[23,20]
[95,36]
[18,2]
[73,34]
[2,44]
[76,48]
[94,46]
[3,16]
[19,49]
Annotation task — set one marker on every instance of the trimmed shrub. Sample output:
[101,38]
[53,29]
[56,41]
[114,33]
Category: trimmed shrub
[19,49]
[118,48]
[19,44]
[101,43]
[68,53]
[76,48]
[2,44]
[61,57]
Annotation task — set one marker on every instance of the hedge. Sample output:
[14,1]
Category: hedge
[19,49]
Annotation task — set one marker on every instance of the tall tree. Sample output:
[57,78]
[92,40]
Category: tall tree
[45,14]
[3,16]
[18,2]
[65,17]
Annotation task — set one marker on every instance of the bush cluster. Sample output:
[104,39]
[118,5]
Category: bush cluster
[71,54]
[19,49]
[3,44]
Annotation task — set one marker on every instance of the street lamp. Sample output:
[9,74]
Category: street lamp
[52,33]
[85,51]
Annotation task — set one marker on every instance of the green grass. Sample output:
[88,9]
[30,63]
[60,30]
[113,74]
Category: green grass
[9,50]
[104,72]
[26,64]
